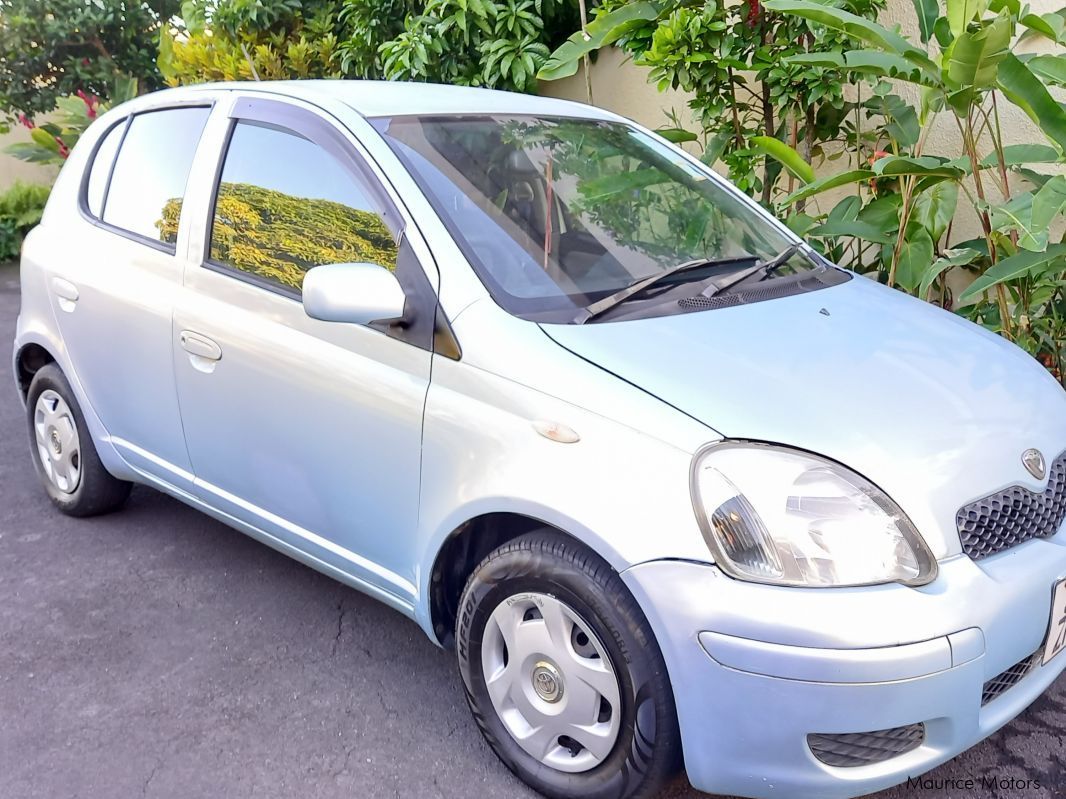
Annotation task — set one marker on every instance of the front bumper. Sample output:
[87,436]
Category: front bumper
[756,668]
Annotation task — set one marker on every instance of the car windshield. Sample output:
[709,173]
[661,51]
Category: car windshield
[556,213]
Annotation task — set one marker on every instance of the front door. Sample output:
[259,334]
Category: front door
[309,430]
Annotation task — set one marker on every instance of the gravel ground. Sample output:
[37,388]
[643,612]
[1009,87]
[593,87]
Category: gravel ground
[157,653]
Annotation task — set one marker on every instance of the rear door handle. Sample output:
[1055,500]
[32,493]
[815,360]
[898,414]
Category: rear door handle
[66,293]
[200,346]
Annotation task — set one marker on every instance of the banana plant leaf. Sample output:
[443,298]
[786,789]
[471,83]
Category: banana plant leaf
[1025,90]
[827,183]
[950,259]
[603,30]
[864,30]
[1014,267]
[788,158]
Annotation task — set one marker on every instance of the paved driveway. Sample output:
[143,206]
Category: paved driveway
[158,653]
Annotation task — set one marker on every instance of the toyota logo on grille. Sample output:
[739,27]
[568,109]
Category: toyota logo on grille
[547,682]
[1034,462]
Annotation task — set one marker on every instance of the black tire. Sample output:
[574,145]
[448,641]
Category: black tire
[647,751]
[97,491]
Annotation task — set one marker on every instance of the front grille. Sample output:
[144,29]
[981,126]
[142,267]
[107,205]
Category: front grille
[1006,680]
[852,749]
[1014,515]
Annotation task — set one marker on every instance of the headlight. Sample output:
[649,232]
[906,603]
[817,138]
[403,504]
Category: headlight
[776,515]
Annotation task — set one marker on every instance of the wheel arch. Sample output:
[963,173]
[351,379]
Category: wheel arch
[466,546]
[36,348]
[29,359]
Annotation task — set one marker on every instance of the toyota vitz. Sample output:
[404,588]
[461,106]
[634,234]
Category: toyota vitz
[674,487]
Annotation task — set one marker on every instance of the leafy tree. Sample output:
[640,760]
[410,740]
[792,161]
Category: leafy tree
[252,40]
[53,48]
[494,43]
[477,42]
[369,24]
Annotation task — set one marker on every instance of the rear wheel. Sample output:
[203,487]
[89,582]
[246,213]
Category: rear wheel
[63,451]
[563,674]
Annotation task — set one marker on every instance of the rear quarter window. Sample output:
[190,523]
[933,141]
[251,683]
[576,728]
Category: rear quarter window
[100,171]
[147,184]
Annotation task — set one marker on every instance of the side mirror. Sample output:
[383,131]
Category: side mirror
[356,293]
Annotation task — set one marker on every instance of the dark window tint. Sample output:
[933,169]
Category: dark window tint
[285,206]
[101,168]
[148,183]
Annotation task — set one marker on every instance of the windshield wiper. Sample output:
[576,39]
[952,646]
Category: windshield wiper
[766,267]
[607,303]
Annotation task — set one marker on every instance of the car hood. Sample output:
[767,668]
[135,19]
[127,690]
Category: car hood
[933,409]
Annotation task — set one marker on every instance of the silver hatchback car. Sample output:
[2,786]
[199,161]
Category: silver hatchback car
[674,487]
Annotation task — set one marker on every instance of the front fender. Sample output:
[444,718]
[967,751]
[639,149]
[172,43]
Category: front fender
[621,492]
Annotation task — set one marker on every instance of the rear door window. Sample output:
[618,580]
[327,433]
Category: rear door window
[148,182]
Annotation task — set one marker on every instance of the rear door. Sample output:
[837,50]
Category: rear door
[113,286]
[308,430]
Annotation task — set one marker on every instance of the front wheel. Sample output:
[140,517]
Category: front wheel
[563,674]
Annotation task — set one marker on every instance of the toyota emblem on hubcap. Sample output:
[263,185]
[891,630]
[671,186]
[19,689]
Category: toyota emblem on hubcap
[1034,463]
[547,682]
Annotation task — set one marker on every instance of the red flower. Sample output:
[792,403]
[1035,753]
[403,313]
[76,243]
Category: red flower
[754,13]
[26,122]
[877,155]
[64,151]
[91,102]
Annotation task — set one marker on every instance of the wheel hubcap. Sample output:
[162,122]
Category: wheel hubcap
[551,682]
[58,444]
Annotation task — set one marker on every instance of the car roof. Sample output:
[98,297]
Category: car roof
[398,98]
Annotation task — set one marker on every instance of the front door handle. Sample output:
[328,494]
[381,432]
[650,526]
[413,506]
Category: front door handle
[200,346]
[66,293]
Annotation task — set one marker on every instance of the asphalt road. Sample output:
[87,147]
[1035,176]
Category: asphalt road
[157,653]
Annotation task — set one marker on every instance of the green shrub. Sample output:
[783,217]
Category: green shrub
[21,207]
[52,48]
[9,240]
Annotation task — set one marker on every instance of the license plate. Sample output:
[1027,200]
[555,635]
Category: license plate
[1056,636]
